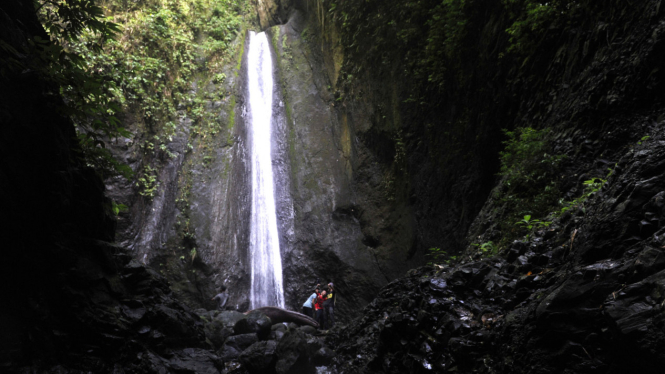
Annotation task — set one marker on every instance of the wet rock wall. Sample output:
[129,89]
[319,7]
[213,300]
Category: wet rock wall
[326,243]
[375,181]
[208,196]
[72,301]
[582,295]
[194,230]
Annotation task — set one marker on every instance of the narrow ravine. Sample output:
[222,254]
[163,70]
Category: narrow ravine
[266,263]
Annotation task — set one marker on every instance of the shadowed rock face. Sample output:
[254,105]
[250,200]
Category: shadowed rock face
[326,238]
[565,300]
[323,220]
[72,302]
[583,296]
[273,12]
[286,348]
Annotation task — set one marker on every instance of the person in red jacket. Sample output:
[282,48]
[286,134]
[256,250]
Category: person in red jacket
[318,309]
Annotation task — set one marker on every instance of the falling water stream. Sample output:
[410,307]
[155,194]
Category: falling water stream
[266,261]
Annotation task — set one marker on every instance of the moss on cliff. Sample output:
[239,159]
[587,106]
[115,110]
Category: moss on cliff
[444,78]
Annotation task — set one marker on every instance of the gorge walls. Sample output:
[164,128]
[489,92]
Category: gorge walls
[380,166]
[195,227]
[385,147]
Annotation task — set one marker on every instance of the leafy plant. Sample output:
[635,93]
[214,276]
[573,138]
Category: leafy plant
[113,56]
[117,208]
[530,179]
[591,186]
[533,18]
[529,223]
[438,256]
[147,182]
[525,157]
[219,78]
[89,99]
[487,248]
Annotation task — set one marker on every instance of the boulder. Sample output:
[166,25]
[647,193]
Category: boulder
[322,357]
[217,334]
[228,353]
[308,330]
[199,361]
[229,317]
[260,357]
[254,322]
[278,327]
[241,342]
[292,353]
[276,335]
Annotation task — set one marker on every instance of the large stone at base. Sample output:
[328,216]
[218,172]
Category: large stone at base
[219,325]
[234,345]
[254,322]
[241,342]
[322,357]
[197,361]
[292,354]
[229,317]
[217,334]
[260,357]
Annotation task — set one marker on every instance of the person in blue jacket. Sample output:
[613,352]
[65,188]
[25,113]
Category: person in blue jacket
[308,306]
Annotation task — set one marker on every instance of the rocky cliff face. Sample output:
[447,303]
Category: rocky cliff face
[582,294]
[374,180]
[373,183]
[361,221]
[336,224]
[72,302]
[194,230]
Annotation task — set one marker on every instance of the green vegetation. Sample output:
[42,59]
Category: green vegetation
[591,187]
[531,19]
[88,102]
[643,139]
[524,156]
[117,208]
[138,59]
[151,65]
[439,256]
[488,249]
[422,37]
[532,224]
[147,182]
[429,38]
[530,181]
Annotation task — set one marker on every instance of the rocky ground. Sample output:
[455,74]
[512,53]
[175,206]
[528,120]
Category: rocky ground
[584,295]
[114,315]
[253,344]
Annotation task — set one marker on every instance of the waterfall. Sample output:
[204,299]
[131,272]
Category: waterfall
[266,261]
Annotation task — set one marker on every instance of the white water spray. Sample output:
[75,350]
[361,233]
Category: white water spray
[266,261]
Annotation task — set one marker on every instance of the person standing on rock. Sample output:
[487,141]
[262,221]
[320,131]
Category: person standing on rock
[307,307]
[221,298]
[329,306]
[318,308]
